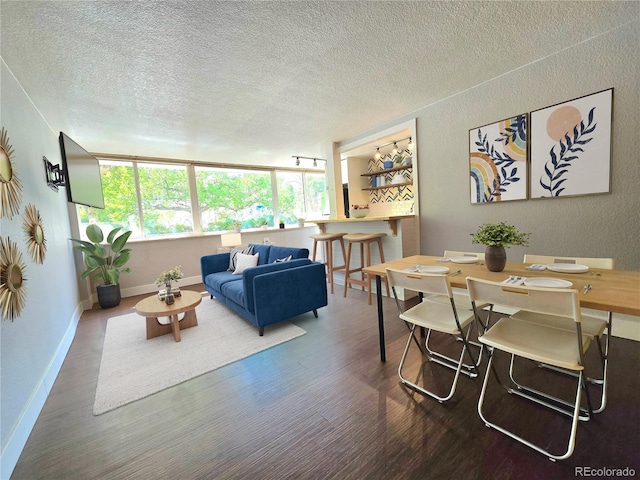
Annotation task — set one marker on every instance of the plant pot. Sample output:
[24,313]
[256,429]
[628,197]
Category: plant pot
[108,295]
[388,164]
[495,258]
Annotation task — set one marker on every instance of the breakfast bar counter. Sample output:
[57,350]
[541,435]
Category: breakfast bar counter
[393,222]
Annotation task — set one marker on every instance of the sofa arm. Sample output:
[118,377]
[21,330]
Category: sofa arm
[218,262]
[286,293]
[250,274]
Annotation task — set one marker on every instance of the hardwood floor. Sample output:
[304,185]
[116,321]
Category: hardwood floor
[321,406]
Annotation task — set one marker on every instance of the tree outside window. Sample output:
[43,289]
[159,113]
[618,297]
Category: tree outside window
[226,196]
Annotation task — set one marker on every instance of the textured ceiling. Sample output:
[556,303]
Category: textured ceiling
[258,82]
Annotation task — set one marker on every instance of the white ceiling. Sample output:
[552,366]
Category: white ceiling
[257,82]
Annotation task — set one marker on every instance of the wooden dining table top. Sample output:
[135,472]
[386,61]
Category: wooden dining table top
[611,290]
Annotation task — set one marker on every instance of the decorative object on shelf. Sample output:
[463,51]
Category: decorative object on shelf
[359,211]
[301,222]
[13,294]
[165,278]
[105,262]
[407,161]
[498,161]
[32,226]
[237,226]
[398,179]
[263,223]
[571,147]
[281,224]
[10,186]
[497,236]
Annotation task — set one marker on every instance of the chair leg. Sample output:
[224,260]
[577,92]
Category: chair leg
[347,271]
[471,369]
[574,422]
[420,389]
[330,263]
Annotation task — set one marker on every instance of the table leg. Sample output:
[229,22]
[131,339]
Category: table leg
[383,354]
[175,327]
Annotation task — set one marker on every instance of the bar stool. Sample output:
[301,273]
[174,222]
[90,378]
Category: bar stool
[365,240]
[327,240]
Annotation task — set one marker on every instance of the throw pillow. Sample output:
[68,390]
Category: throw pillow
[232,257]
[285,259]
[244,261]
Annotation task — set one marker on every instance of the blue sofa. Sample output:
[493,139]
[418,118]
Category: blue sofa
[272,291]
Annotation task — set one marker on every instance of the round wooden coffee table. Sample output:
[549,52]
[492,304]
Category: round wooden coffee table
[152,308]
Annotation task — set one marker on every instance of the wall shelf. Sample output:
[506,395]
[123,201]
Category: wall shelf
[389,186]
[386,170]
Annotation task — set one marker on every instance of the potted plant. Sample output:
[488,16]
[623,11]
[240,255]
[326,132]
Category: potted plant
[105,262]
[237,225]
[497,236]
[281,223]
[165,279]
[300,222]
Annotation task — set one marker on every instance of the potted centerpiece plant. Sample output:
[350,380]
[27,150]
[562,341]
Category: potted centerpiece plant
[105,261]
[497,236]
[165,280]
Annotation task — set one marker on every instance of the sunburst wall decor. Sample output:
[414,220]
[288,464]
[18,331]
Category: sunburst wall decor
[13,294]
[10,187]
[32,225]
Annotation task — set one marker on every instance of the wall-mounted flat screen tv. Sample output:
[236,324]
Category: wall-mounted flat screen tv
[81,173]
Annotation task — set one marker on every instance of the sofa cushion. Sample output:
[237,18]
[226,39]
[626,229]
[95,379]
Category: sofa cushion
[234,291]
[245,261]
[263,250]
[277,252]
[234,252]
[216,280]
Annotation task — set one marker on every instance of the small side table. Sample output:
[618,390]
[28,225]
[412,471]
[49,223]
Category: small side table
[152,308]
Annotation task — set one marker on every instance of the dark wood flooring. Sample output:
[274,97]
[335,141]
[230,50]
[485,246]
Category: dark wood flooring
[321,406]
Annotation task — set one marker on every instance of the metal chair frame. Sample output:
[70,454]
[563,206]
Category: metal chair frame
[562,302]
[433,284]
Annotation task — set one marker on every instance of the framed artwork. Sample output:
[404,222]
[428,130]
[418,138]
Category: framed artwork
[498,161]
[571,147]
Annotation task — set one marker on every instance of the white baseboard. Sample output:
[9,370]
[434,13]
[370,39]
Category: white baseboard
[20,434]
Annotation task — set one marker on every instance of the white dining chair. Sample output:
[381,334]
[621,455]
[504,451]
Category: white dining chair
[595,327]
[538,342]
[435,317]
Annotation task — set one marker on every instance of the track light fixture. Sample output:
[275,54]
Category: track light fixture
[395,150]
[315,160]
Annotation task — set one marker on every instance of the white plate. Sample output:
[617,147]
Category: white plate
[429,269]
[568,268]
[465,259]
[547,282]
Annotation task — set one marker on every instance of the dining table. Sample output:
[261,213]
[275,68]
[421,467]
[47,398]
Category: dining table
[616,291]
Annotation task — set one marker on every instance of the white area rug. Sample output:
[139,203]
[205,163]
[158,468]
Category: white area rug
[133,367]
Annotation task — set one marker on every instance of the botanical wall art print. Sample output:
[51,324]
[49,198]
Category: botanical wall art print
[498,161]
[571,147]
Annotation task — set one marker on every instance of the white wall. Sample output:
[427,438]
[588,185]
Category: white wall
[33,346]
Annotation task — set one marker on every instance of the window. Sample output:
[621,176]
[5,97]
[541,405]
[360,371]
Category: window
[121,204]
[155,199]
[226,196]
[165,198]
